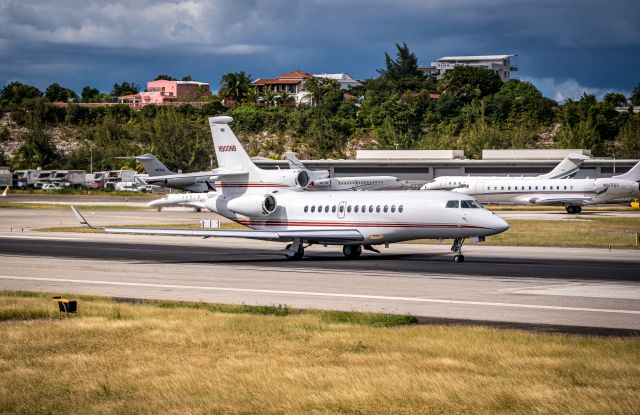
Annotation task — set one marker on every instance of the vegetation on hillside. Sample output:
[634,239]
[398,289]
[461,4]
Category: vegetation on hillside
[469,109]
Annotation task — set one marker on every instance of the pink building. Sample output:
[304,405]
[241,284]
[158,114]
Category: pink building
[164,92]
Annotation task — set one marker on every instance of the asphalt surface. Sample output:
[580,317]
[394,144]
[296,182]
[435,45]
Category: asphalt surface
[593,291]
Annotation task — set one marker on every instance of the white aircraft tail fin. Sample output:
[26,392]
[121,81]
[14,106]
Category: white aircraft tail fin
[632,175]
[152,166]
[566,168]
[294,161]
[229,151]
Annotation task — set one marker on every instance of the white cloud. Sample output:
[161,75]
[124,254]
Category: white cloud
[563,90]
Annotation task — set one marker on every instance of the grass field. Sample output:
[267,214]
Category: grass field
[194,358]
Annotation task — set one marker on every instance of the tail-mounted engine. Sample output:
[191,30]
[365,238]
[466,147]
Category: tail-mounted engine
[253,205]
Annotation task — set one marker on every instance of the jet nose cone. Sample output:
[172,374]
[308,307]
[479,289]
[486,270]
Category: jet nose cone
[500,224]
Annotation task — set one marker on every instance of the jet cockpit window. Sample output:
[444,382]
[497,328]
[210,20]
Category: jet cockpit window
[466,204]
[453,204]
[474,204]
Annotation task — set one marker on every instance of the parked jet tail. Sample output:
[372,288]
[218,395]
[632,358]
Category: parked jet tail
[632,175]
[566,168]
[152,166]
[229,152]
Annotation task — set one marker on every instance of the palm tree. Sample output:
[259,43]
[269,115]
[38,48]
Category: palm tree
[235,85]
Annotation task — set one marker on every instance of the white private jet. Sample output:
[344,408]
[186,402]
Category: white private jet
[320,180]
[570,193]
[263,201]
[194,200]
[567,168]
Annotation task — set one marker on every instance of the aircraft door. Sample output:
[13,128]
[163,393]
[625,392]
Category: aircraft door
[342,206]
[480,191]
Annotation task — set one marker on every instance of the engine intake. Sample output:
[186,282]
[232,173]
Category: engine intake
[253,205]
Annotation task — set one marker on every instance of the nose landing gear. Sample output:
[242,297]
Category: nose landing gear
[574,209]
[457,248]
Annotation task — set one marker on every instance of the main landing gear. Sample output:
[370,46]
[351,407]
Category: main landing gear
[457,248]
[574,209]
[297,253]
[352,251]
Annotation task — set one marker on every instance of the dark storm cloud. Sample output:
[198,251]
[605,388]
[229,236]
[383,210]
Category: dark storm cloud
[561,46]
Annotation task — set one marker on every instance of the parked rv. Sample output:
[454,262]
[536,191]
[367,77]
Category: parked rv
[116,176]
[69,178]
[95,180]
[6,178]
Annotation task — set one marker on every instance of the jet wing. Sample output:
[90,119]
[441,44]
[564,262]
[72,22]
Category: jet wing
[307,234]
[204,175]
[553,201]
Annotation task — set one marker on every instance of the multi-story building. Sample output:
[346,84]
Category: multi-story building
[343,79]
[163,92]
[500,64]
[292,83]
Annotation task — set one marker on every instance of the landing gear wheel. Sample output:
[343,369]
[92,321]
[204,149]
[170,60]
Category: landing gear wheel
[574,209]
[352,251]
[298,255]
[457,249]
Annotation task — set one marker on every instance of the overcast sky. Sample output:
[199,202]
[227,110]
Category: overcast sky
[565,47]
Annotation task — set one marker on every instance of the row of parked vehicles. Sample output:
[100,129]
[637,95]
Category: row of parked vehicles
[121,180]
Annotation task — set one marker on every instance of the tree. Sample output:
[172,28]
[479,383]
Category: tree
[89,94]
[635,95]
[629,138]
[187,78]
[125,88]
[467,83]
[235,85]
[57,93]
[16,92]
[164,77]
[404,66]
[615,99]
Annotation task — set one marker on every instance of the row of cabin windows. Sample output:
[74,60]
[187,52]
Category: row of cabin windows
[360,182]
[531,187]
[355,209]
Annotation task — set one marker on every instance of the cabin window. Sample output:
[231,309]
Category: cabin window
[557,187]
[306,209]
[385,209]
[544,187]
[333,208]
[571,187]
[501,187]
[326,209]
[356,208]
[453,204]
[529,187]
[393,208]
[313,209]
[320,209]
[370,208]
[364,208]
[341,208]
[349,209]
[565,188]
[509,187]
[378,209]
[400,208]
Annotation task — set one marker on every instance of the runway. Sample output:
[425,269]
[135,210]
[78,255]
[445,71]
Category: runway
[550,288]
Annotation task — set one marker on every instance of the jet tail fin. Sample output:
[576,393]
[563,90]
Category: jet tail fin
[566,168]
[632,175]
[229,151]
[152,166]
[294,161]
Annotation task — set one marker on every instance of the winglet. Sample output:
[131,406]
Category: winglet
[80,218]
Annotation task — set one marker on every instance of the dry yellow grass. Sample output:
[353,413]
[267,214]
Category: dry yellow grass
[125,358]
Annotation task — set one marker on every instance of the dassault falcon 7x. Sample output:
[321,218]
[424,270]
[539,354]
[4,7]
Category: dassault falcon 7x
[567,168]
[260,200]
[570,193]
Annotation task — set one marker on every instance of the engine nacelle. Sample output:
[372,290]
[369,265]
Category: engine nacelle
[253,205]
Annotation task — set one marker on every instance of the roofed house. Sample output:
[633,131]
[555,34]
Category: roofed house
[343,79]
[292,83]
